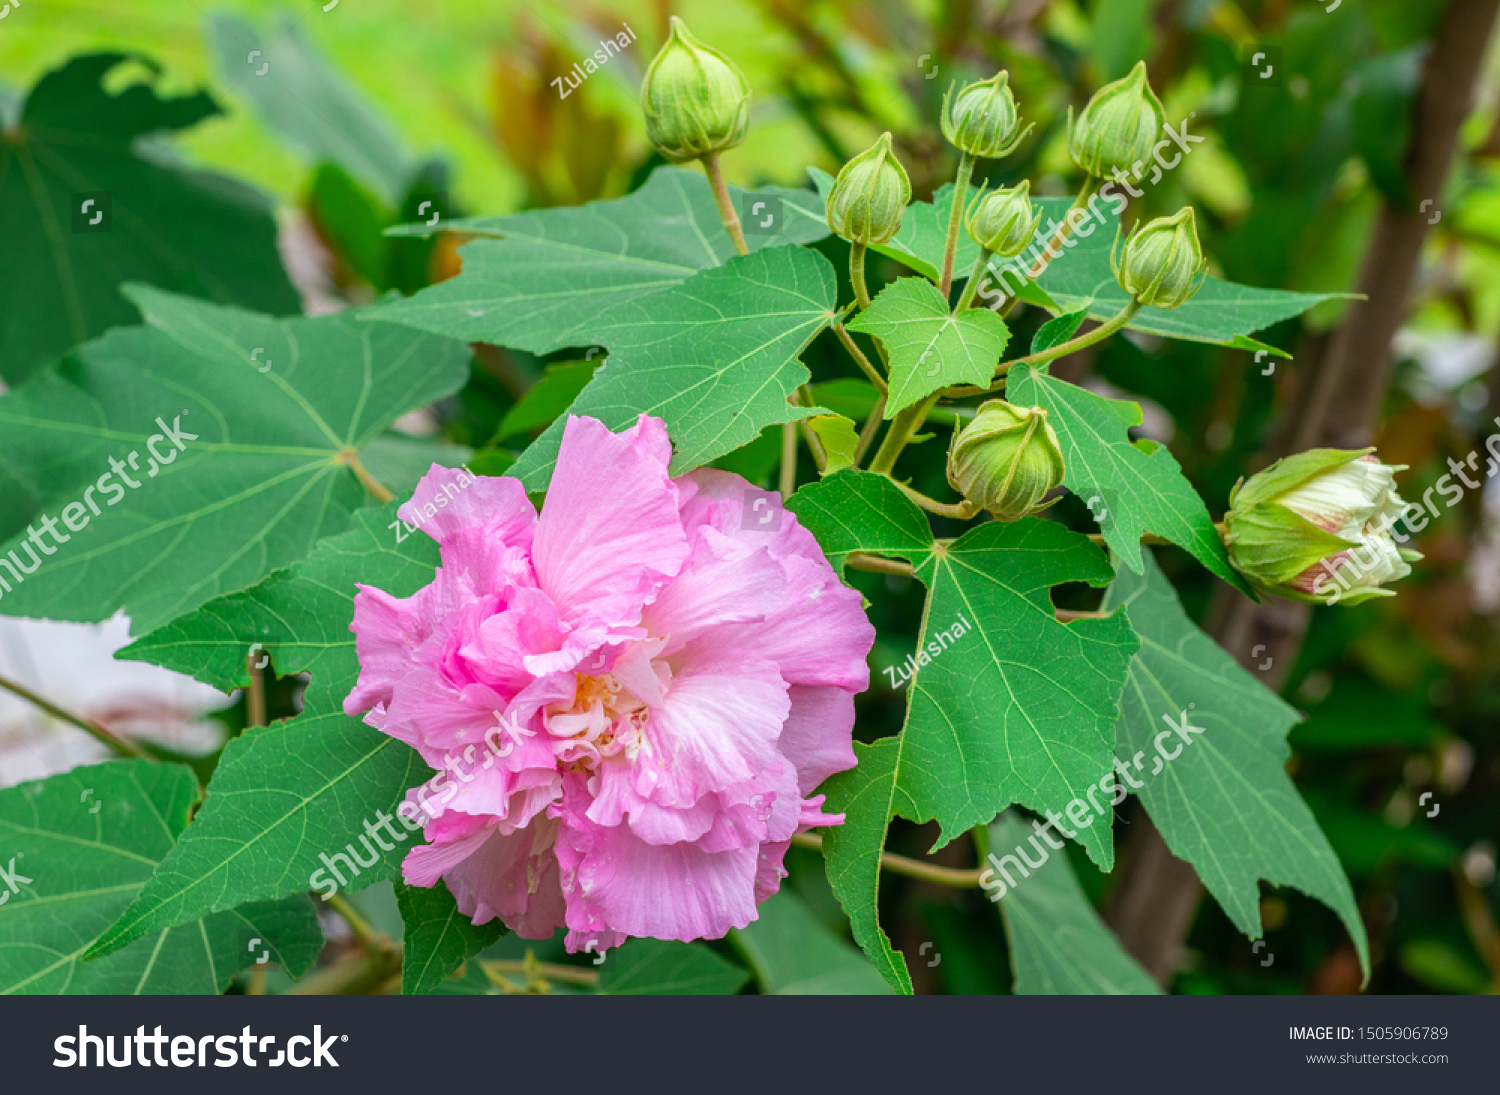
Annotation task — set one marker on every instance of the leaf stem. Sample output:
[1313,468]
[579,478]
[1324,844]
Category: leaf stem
[571,975]
[374,486]
[871,428]
[1073,345]
[907,421]
[962,511]
[371,941]
[876,564]
[255,693]
[859,357]
[972,286]
[911,868]
[955,220]
[108,737]
[788,460]
[727,214]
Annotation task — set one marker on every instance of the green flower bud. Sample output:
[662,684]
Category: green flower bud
[982,121]
[1316,527]
[1002,221]
[1006,460]
[695,99]
[1119,127]
[1161,261]
[870,195]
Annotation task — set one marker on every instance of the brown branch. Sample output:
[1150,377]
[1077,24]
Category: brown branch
[1154,902]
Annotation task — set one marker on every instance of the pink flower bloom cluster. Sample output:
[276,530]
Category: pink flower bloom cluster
[676,670]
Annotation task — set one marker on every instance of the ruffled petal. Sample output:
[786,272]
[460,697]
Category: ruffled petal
[609,534]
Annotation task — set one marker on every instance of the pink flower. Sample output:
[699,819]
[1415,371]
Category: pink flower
[629,699]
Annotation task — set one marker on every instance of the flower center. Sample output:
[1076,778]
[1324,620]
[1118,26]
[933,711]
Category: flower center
[603,720]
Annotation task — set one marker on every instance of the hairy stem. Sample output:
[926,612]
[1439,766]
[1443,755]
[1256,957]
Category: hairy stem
[88,726]
[975,278]
[962,511]
[911,868]
[876,564]
[727,214]
[871,428]
[859,357]
[788,460]
[857,274]
[907,421]
[1073,345]
[955,220]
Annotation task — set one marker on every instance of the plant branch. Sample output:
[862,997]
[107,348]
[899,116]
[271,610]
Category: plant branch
[95,730]
[972,286]
[876,564]
[962,511]
[860,359]
[955,220]
[907,421]
[911,868]
[727,214]
[570,975]
[870,429]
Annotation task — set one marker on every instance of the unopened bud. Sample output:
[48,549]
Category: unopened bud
[870,195]
[695,99]
[1006,460]
[1161,260]
[1119,127]
[1003,221]
[983,120]
[1316,527]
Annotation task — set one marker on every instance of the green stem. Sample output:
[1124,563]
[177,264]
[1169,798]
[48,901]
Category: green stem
[1073,345]
[860,560]
[857,274]
[788,460]
[88,726]
[907,421]
[912,868]
[727,214]
[962,511]
[955,220]
[974,279]
[864,363]
[871,428]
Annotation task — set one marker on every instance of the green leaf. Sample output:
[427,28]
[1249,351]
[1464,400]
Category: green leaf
[1130,488]
[1058,944]
[656,967]
[930,347]
[309,102]
[1057,331]
[85,842]
[1015,707]
[861,511]
[1019,707]
[547,399]
[792,954]
[1080,277]
[262,473]
[1224,803]
[438,938]
[548,279]
[190,231]
[398,462]
[839,438]
[285,795]
[715,357]
[867,796]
